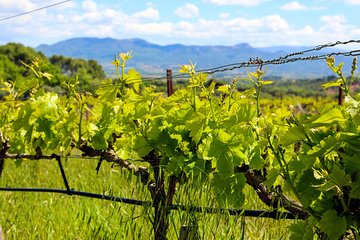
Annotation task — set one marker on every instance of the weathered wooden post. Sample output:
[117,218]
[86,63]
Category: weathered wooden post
[341,96]
[169,82]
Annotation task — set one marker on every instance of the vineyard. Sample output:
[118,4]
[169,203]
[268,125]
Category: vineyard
[189,163]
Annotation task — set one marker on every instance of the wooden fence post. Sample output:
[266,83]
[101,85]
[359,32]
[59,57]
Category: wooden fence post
[341,96]
[169,82]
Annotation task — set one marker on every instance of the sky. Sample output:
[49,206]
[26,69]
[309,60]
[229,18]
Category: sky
[261,23]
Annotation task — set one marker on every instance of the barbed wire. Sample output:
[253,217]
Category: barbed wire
[35,10]
[256,62]
[252,62]
[322,46]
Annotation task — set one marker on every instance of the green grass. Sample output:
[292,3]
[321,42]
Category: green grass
[57,216]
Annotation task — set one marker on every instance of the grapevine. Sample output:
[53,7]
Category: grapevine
[305,163]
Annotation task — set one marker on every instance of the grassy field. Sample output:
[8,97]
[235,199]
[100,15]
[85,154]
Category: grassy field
[56,216]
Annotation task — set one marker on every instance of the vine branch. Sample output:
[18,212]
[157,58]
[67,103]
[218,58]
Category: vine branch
[111,156]
[271,197]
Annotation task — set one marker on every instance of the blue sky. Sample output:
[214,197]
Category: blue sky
[200,22]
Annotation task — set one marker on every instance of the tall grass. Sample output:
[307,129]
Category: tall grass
[56,216]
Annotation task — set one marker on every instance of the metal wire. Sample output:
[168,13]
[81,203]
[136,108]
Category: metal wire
[35,10]
[243,212]
[253,62]
[256,62]
[68,191]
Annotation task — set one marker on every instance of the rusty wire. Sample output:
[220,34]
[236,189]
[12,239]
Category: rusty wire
[291,57]
[257,62]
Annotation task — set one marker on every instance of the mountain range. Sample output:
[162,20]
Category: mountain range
[153,59]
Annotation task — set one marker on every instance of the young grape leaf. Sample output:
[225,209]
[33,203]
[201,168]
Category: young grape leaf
[246,113]
[273,177]
[303,186]
[175,165]
[224,89]
[133,77]
[267,82]
[196,126]
[258,74]
[330,116]
[293,135]
[352,163]
[256,161]
[335,83]
[107,91]
[333,225]
[98,141]
[355,190]
[301,231]
[23,86]
[141,146]
[340,177]
[221,148]
[228,189]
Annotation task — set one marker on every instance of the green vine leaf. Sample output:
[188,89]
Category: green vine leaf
[330,116]
[256,160]
[355,190]
[301,231]
[336,83]
[98,142]
[228,190]
[333,225]
[340,177]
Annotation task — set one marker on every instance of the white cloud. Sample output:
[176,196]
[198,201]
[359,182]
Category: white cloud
[355,33]
[353,2]
[164,28]
[333,19]
[294,6]
[187,26]
[95,14]
[308,30]
[233,30]
[86,18]
[334,23]
[188,10]
[22,5]
[149,13]
[224,15]
[275,23]
[246,3]
[89,5]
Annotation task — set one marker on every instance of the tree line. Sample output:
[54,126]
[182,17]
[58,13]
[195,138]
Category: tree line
[15,57]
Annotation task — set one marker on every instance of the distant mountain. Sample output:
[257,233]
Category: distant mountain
[285,49]
[155,59]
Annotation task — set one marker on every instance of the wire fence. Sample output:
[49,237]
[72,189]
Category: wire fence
[257,62]
[274,214]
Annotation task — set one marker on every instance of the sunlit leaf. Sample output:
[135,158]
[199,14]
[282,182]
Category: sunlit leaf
[336,83]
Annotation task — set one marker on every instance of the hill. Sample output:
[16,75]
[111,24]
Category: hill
[155,59]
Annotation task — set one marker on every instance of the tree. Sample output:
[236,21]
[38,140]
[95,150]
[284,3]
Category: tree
[15,59]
